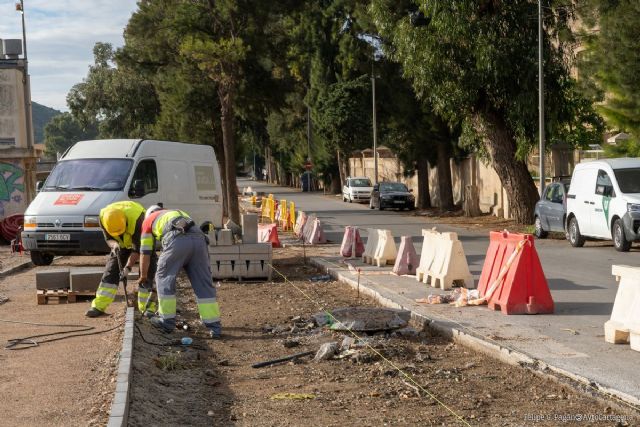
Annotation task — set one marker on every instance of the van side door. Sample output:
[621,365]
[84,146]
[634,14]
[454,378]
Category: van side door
[143,187]
[581,198]
[601,198]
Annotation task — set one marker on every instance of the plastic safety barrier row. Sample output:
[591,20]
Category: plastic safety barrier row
[512,279]
[624,325]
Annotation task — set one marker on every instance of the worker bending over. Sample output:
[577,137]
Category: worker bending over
[183,245]
[121,224]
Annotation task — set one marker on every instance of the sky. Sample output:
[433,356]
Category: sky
[60,39]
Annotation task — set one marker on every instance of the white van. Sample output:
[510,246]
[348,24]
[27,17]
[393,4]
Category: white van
[357,188]
[603,202]
[63,218]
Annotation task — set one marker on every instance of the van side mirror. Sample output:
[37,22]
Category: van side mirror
[137,189]
[39,185]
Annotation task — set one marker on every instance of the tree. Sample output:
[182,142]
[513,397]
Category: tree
[610,65]
[120,101]
[476,63]
[63,131]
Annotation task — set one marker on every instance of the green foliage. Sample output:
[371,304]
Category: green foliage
[63,131]
[627,148]
[610,65]
[123,103]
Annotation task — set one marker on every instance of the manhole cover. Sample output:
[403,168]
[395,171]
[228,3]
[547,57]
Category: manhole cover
[365,319]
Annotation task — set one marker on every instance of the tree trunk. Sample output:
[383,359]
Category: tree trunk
[424,198]
[342,169]
[513,173]
[335,184]
[444,175]
[228,142]
[219,150]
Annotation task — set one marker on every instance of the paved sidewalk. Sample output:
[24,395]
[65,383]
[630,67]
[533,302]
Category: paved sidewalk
[579,353]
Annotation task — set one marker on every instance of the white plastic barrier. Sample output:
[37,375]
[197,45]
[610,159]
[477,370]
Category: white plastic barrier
[427,255]
[317,233]
[624,325]
[300,222]
[386,250]
[370,248]
[450,263]
[307,229]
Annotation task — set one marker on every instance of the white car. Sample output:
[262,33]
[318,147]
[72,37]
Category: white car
[603,202]
[357,188]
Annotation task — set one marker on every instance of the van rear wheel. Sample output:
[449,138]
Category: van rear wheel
[575,238]
[620,241]
[41,258]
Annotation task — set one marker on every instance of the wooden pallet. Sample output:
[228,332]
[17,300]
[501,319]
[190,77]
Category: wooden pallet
[63,296]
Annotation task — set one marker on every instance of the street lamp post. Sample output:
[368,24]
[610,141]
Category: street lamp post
[375,130]
[541,100]
[26,83]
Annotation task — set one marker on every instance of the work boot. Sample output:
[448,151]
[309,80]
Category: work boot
[215,330]
[94,312]
[148,314]
[160,324]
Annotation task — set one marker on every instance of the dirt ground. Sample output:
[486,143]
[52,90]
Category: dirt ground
[213,383]
[64,383]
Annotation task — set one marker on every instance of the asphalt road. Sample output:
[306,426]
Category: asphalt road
[580,280]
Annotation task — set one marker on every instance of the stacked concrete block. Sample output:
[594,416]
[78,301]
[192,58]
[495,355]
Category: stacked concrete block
[52,278]
[245,261]
[224,238]
[85,279]
[249,228]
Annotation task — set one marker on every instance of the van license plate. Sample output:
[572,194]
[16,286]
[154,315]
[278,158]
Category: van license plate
[58,237]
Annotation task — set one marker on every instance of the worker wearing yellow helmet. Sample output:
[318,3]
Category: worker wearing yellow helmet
[121,224]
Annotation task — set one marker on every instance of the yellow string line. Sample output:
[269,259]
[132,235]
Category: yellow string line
[407,376]
[500,344]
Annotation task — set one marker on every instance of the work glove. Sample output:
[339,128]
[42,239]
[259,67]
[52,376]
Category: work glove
[125,273]
[144,283]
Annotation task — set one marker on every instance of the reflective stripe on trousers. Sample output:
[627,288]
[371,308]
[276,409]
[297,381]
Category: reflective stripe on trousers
[105,295]
[144,300]
[209,310]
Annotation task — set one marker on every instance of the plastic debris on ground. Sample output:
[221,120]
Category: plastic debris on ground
[363,319]
[3,299]
[321,278]
[459,297]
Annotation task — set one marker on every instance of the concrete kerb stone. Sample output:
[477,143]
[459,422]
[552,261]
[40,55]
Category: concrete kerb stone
[119,413]
[455,332]
[18,267]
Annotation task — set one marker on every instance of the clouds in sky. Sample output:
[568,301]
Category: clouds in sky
[60,39]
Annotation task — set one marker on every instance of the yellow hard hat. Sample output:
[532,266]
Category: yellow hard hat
[114,221]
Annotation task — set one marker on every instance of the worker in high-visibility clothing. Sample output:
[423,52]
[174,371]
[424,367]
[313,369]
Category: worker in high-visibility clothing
[121,224]
[183,245]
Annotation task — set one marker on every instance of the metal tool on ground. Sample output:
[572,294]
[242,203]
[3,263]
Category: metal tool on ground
[123,276]
[282,359]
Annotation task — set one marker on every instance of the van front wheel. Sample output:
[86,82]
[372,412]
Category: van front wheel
[41,258]
[619,239]
[575,238]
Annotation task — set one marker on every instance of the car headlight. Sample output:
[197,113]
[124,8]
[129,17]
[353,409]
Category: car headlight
[91,221]
[633,207]
[30,223]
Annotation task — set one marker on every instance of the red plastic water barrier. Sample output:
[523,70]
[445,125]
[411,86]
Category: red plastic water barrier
[268,233]
[524,288]
[407,260]
[346,248]
[10,226]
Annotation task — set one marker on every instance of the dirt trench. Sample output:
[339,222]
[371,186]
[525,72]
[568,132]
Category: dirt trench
[213,383]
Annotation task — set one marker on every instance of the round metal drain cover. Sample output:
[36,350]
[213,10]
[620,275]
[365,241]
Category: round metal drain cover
[365,319]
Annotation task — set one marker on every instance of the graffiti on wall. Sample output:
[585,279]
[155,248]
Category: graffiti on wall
[11,188]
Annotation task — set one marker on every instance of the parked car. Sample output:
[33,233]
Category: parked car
[604,202]
[63,218]
[357,188]
[551,209]
[394,195]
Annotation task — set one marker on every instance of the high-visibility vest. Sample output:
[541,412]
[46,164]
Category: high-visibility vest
[132,211]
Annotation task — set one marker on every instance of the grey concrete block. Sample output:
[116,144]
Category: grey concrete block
[256,248]
[225,238]
[224,250]
[53,278]
[116,422]
[249,228]
[118,409]
[85,279]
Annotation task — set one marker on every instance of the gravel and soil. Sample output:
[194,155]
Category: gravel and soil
[63,383]
[213,383]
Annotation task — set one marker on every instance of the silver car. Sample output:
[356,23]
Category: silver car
[551,209]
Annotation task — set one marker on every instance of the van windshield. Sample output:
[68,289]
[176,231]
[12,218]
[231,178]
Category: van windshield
[628,179]
[89,175]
